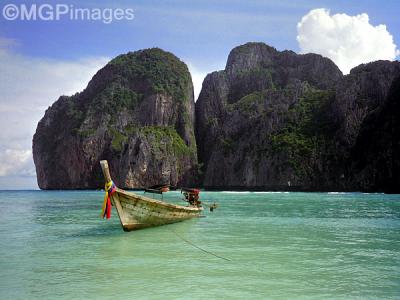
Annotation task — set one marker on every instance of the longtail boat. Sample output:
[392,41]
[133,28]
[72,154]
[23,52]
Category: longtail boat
[137,212]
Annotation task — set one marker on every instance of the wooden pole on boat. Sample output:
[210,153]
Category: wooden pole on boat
[106,170]
[114,196]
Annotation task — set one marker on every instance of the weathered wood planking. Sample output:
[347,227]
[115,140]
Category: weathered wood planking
[136,212]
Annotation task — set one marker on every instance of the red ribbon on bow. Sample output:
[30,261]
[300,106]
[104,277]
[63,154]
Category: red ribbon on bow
[110,188]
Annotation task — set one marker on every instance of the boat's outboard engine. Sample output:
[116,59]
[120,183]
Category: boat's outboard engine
[192,196]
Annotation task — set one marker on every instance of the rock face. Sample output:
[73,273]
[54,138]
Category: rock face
[137,112]
[269,120]
[375,157]
[278,120]
[361,92]
[361,111]
[251,117]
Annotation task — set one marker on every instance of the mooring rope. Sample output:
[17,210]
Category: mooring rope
[192,244]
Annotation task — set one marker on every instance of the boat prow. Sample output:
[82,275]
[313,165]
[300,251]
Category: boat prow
[137,212]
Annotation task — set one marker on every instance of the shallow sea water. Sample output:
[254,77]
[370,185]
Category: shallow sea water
[53,245]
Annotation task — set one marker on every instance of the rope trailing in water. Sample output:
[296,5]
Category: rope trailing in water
[192,244]
[110,188]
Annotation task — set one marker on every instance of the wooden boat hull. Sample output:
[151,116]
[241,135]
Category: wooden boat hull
[137,212]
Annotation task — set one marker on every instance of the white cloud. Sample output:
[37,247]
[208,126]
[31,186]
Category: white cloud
[27,87]
[16,162]
[198,74]
[197,79]
[347,40]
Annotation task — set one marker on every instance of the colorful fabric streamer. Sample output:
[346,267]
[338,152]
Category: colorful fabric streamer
[110,188]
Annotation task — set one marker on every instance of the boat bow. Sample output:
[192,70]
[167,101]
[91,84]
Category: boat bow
[136,211]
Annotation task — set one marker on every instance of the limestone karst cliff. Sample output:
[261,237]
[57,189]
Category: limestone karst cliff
[279,120]
[137,112]
[270,120]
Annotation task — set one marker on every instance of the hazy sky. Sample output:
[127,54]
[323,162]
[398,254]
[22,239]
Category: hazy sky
[43,59]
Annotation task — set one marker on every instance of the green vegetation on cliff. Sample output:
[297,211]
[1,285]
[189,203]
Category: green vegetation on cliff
[118,140]
[163,139]
[117,118]
[247,103]
[163,71]
[308,129]
[167,136]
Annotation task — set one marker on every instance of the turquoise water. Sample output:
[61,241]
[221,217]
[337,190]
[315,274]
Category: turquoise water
[53,245]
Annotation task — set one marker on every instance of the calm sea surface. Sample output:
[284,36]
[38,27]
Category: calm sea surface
[53,245]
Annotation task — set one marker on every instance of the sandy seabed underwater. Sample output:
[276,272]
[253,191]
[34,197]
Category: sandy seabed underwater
[53,245]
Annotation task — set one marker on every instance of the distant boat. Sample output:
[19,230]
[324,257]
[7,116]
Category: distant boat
[137,212]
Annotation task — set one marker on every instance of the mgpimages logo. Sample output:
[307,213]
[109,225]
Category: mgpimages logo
[57,12]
